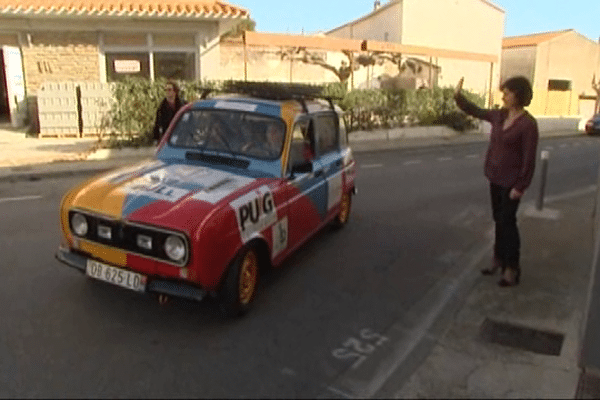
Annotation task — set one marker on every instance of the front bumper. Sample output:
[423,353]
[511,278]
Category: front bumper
[154,285]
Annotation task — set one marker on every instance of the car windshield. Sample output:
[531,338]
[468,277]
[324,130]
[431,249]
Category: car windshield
[235,132]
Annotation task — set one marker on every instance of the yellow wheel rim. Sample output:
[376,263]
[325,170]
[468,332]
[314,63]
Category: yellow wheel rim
[344,208]
[248,277]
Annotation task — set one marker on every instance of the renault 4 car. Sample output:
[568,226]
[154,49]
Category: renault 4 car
[238,183]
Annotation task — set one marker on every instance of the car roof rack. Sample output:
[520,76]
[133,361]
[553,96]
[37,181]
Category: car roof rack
[279,91]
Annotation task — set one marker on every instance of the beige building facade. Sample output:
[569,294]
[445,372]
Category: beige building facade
[56,41]
[562,67]
[272,63]
[474,26]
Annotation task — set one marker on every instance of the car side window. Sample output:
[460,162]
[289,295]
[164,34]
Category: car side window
[343,131]
[302,148]
[327,133]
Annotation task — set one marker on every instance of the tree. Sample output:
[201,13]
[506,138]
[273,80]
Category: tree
[342,72]
[240,28]
[403,63]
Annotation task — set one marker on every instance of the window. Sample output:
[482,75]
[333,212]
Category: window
[174,66]
[302,148]
[251,135]
[559,84]
[343,131]
[149,55]
[120,65]
[327,129]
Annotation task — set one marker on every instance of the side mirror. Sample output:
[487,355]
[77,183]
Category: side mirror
[302,168]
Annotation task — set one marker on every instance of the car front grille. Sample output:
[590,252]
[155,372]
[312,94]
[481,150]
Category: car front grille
[124,235]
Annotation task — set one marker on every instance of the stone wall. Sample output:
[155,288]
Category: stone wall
[59,57]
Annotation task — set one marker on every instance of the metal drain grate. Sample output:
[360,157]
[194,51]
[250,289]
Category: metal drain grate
[522,338]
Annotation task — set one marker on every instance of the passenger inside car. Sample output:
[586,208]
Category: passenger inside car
[303,143]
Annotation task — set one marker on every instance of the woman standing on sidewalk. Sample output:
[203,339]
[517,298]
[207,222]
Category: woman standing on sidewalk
[509,166]
[167,110]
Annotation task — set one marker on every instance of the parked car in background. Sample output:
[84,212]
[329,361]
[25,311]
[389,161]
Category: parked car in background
[238,183]
[592,127]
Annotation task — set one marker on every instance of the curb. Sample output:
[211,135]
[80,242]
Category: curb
[101,160]
[64,169]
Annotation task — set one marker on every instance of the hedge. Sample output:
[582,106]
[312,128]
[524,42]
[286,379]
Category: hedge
[131,118]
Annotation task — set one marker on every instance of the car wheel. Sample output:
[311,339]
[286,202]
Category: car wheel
[344,215]
[241,283]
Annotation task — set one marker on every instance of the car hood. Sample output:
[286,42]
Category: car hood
[163,194]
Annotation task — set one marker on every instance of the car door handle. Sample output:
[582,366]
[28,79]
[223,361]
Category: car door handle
[338,163]
[318,173]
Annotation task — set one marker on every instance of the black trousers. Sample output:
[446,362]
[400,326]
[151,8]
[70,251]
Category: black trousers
[508,243]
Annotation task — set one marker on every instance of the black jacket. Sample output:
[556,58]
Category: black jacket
[164,115]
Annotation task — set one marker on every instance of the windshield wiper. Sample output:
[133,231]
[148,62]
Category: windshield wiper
[217,159]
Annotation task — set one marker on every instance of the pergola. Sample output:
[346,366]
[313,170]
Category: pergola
[354,45]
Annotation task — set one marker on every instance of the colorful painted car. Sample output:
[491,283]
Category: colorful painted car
[238,183]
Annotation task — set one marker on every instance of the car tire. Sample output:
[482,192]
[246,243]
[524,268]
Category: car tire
[341,219]
[241,283]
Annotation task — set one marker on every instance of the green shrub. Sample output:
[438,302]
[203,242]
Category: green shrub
[135,101]
[133,112]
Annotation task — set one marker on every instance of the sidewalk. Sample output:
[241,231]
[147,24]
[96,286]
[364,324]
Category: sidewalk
[467,360]
[26,158]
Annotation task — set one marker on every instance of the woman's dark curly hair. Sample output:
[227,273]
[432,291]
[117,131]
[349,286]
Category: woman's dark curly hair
[174,85]
[520,86]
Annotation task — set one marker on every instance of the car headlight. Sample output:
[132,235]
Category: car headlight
[79,224]
[175,248]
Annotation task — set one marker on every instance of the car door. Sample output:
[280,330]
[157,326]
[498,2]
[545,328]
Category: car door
[330,160]
[308,203]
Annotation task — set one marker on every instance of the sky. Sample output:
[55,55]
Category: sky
[522,17]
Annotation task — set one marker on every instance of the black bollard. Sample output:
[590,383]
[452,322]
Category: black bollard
[540,200]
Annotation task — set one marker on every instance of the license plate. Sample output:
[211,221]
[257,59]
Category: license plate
[116,276]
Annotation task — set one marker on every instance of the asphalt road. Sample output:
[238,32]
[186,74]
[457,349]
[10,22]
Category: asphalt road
[340,316]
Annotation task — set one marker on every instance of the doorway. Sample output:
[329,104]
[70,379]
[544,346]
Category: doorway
[4,105]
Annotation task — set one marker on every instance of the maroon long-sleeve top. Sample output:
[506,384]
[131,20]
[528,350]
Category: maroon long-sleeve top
[511,155]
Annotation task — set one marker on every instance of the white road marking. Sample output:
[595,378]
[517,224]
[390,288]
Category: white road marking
[22,198]
[562,146]
[472,156]
[339,392]
[367,166]
[444,159]
[412,162]
[548,148]
[568,195]
[576,144]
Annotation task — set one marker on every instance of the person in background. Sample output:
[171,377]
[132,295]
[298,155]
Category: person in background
[308,149]
[509,167]
[275,132]
[167,110]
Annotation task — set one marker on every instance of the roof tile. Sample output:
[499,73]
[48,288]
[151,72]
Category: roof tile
[168,8]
